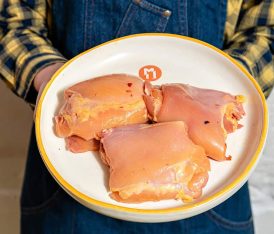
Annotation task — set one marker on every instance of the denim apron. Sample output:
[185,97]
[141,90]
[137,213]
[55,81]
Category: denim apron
[79,25]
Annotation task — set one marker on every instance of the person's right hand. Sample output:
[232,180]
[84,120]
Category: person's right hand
[42,78]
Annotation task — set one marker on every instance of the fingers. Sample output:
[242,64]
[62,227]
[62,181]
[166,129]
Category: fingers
[42,78]
[42,87]
[45,74]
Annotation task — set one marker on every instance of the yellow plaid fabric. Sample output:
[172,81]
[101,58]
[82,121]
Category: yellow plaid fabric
[249,38]
[25,48]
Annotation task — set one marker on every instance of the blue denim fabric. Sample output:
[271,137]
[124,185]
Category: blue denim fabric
[82,24]
[47,209]
[79,25]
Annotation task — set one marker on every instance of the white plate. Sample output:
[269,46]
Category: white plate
[181,60]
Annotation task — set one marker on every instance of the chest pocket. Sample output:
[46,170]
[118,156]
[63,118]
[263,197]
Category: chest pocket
[143,16]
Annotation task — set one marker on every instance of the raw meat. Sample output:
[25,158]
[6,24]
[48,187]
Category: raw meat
[209,114]
[101,103]
[154,162]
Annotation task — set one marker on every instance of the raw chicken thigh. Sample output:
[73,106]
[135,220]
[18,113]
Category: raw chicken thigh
[209,114]
[154,162]
[100,103]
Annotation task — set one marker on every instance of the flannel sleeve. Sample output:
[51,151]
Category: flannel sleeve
[251,39]
[24,46]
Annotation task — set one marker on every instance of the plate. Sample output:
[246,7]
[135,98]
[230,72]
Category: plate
[180,60]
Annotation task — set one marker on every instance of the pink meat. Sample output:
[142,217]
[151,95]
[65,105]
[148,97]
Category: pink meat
[77,144]
[154,162]
[101,103]
[209,114]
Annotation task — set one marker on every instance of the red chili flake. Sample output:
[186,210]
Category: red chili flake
[129,84]
[206,122]
[229,157]
[235,116]
[128,91]
[131,95]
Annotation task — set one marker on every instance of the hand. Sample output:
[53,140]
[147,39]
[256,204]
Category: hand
[42,78]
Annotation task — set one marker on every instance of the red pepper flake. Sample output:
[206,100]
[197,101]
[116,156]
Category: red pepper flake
[229,157]
[235,116]
[131,95]
[129,84]
[206,122]
[128,91]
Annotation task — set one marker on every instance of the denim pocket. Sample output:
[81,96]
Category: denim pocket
[229,224]
[43,206]
[235,213]
[40,191]
[143,16]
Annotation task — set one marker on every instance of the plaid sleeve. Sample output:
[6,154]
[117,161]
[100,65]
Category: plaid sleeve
[250,40]
[24,46]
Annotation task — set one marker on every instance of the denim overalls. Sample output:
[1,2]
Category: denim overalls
[79,25]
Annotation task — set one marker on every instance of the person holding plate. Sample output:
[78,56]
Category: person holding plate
[38,36]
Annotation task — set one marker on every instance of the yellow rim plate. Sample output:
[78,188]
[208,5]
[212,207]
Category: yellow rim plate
[86,199]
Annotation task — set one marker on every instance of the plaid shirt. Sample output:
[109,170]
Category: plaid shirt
[25,48]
